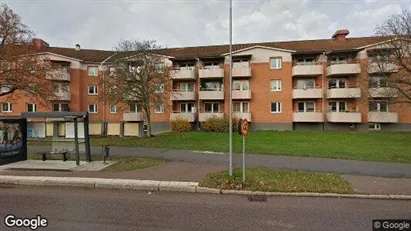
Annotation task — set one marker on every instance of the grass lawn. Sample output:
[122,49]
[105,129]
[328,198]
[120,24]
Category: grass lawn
[122,163]
[372,146]
[258,179]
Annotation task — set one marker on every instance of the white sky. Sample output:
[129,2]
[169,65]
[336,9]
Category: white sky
[100,24]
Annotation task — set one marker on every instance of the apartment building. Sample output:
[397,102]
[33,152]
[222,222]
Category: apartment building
[290,85]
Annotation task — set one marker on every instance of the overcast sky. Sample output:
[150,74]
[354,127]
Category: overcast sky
[100,24]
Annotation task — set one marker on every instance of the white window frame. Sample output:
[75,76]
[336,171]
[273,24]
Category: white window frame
[212,65]
[91,68]
[338,60]
[338,106]
[377,126]
[303,61]
[187,107]
[338,83]
[279,63]
[60,106]
[244,85]
[34,107]
[9,107]
[279,105]
[136,108]
[378,102]
[212,107]
[304,81]
[187,66]
[111,108]
[95,90]
[276,86]
[111,71]
[305,106]
[186,87]
[378,79]
[95,109]
[160,107]
[242,106]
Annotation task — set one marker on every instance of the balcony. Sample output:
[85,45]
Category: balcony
[382,68]
[383,117]
[242,115]
[383,92]
[344,117]
[62,96]
[211,73]
[211,95]
[183,95]
[190,117]
[343,69]
[206,115]
[313,117]
[183,74]
[133,116]
[307,70]
[241,94]
[307,93]
[61,75]
[241,72]
[344,93]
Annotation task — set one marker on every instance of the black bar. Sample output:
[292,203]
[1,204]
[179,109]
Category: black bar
[87,138]
[76,142]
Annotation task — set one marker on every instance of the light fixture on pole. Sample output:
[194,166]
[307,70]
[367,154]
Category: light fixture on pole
[230,129]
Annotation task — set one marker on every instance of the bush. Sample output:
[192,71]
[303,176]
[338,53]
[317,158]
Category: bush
[180,125]
[215,124]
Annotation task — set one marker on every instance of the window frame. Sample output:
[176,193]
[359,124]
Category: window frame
[95,106]
[9,107]
[212,107]
[93,87]
[337,104]
[242,107]
[305,106]
[378,105]
[377,126]
[337,83]
[90,68]
[305,81]
[244,85]
[115,107]
[281,63]
[161,108]
[187,106]
[278,105]
[278,86]
[34,107]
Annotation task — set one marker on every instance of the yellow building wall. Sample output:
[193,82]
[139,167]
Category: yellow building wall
[94,128]
[49,129]
[131,129]
[113,129]
[62,129]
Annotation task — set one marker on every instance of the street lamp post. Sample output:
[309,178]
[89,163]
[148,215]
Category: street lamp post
[230,98]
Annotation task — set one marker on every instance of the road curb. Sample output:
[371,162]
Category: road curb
[167,186]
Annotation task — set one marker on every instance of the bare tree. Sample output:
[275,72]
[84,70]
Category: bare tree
[22,68]
[139,75]
[389,67]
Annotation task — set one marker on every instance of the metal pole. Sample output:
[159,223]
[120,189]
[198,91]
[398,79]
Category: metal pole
[76,142]
[243,158]
[230,98]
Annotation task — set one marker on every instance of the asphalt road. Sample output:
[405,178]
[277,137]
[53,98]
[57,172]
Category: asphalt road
[91,209]
[349,167]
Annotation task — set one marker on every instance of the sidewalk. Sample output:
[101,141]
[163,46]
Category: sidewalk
[349,167]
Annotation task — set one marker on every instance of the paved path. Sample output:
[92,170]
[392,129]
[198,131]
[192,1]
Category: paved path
[351,167]
[87,209]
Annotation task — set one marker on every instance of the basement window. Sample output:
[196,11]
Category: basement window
[374,126]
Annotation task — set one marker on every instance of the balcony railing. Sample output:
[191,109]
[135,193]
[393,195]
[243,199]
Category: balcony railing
[62,96]
[343,68]
[211,73]
[211,93]
[183,95]
[133,116]
[308,93]
[241,72]
[189,116]
[382,117]
[203,116]
[379,67]
[342,93]
[183,74]
[313,117]
[241,94]
[382,92]
[344,117]
[60,74]
[307,69]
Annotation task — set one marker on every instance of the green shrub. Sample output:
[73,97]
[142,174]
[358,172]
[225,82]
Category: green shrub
[180,125]
[215,124]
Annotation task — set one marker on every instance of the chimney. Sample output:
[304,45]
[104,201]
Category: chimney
[77,47]
[40,44]
[340,35]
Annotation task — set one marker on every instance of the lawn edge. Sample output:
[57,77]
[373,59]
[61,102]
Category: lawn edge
[167,186]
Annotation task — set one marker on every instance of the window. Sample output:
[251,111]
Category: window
[4,88]
[92,71]
[211,107]
[212,65]
[112,71]
[187,66]
[378,106]
[240,63]
[338,60]
[135,107]
[159,108]
[305,84]
[92,90]
[241,85]
[275,85]
[308,106]
[159,88]
[240,107]
[7,107]
[337,106]
[212,86]
[276,107]
[61,87]
[186,87]
[305,61]
[374,126]
[186,107]
[378,81]
[113,108]
[31,107]
[61,107]
[275,63]
[336,83]
[93,108]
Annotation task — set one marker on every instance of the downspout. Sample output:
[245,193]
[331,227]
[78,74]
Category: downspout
[104,98]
